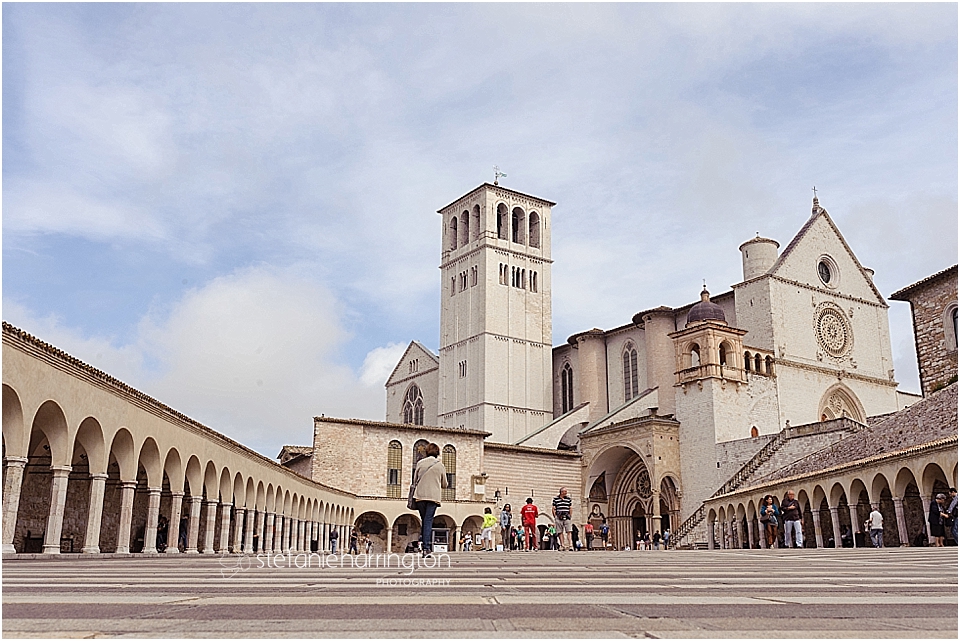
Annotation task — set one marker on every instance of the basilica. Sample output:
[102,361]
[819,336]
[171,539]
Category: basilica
[679,419]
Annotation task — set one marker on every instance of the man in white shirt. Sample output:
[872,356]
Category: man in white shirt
[876,526]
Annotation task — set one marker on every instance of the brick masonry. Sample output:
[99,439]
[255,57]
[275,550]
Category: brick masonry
[932,302]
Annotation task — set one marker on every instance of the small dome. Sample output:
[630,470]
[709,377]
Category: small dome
[705,310]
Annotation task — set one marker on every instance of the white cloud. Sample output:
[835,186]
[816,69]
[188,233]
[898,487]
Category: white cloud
[254,355]
[379,363]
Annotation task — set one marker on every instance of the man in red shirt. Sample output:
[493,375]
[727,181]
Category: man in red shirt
[528,516]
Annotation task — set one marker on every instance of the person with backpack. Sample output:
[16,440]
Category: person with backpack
[770,518]
[429,479]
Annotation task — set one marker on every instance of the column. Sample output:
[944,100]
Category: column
[817,533]
[325,537]
[58,502]
[295,535]
[12,482]
[287,527]
[926,518]
[211,526]
[153,515]
[261,530]
[305,530]
[835,520]
[854,525]
[267,538]
[236,545]
[740,535]
[193,530]
[91,540]
[389,540]
[711,535]
[278,525]
[225,508]
[762,531]
[127,490]
[248,537]
[656,518]
[901,522]
[173,528]
[751,539]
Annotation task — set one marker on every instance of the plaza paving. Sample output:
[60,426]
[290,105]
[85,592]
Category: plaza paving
[900,593]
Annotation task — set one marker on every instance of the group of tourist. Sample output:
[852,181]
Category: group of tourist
[942,520]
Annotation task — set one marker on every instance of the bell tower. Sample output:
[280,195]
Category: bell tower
[495,313]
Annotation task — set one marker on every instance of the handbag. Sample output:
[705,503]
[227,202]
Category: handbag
[412,502]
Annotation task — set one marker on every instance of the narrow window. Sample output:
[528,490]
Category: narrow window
[465,228]
[533,283]
[523,279]
[723,354]
[757,364]
[476,222]
[453,233]
[449,459]
[631,380]
[534,229]
[746,361]
[566,388]
[754,432]
[453,285]
[769,364]
[695,355]
[502,224]
[517,225]
[394,459]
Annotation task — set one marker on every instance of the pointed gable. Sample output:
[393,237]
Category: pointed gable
[819,240]
[427,361]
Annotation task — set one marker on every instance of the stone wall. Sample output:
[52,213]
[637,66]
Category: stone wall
[520,472]
[932,302]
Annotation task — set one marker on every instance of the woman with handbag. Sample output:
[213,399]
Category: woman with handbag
[429,478]
[769,516]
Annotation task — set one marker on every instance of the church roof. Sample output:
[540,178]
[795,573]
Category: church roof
[705,310]
[817,213]
[905,293]
[501,187]
[929,420]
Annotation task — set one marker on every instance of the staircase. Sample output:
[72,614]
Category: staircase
[743,474]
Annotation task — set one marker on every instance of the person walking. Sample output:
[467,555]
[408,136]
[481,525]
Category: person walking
[656,540]
[935,519]
[367,544]
[528,518]
[875,521]
[354,541]
[334,536]
[588,533]
[792,514]
[429,478]
[604,533]
[506,516]
[770,517]
[562,508]
[666,538]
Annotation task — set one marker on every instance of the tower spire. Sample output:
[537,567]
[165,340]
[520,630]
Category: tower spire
[816,201]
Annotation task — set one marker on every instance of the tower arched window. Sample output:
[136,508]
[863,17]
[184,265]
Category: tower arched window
[534,229]
[413,406]
[394,461]
[464,228]
[725,355]
[694,355]
[517,225]
[950,327]
[453,233]
[746,361]
[769,363]
[758,363]
[476,222]
[566,388]
[502,223]
[449,459]
[631,384]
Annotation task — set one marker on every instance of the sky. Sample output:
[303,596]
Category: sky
[232,207]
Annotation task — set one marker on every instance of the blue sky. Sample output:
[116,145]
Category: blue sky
[232,207]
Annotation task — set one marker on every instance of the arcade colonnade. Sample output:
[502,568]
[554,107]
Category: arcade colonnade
[92,465]
[903,484]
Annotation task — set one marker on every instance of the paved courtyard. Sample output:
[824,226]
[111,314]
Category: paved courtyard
[904,592]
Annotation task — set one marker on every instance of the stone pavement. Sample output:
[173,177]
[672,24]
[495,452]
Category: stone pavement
[895,592]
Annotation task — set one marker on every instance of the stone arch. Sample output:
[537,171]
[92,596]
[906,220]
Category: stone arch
[503,225]
[250,495]
[211,483]
[90,436]
[173,468]
[270,499]
[406,529]
[726,354]
[15,439]
[534,229]
[933,479]
[51,422]
[374,525]
[839,401]
[879,482]
[149,458]
[691,355]
[454,234]
[261,503]
[477,229]
[238,495]
[517,224]
[194,476]
[464,228]
[122,452]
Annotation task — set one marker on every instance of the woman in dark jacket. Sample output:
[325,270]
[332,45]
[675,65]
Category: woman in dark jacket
[936,520]
[429,479]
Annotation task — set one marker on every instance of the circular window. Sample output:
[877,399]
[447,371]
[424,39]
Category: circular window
[833,331]
[827,270]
